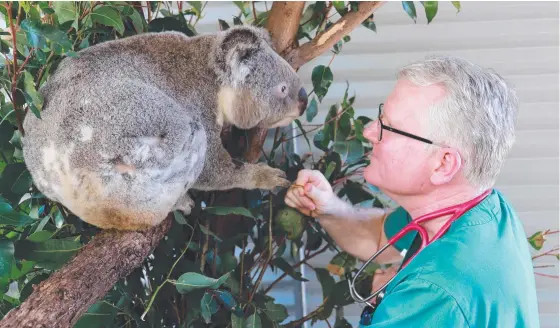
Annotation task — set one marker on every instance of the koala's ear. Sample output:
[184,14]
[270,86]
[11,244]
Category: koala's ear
[235,49]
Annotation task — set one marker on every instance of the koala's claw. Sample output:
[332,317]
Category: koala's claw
[266,177]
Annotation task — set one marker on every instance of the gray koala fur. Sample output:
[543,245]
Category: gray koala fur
[131,125]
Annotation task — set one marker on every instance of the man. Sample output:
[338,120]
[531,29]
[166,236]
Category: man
[440,140]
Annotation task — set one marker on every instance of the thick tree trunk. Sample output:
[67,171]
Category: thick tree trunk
[60,301]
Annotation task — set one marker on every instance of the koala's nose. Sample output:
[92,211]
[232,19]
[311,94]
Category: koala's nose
[302,99]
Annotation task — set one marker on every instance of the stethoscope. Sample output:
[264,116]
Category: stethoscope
[456,211]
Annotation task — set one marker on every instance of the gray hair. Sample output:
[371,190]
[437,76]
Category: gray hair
[477,116]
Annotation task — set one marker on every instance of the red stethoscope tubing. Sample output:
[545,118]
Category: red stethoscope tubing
[456,211]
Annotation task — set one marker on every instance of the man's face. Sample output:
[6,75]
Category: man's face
[401,165]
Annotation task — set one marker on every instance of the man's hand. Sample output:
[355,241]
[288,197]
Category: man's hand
[312,195]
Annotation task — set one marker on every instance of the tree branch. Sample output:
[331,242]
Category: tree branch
[61,300]
[326,39]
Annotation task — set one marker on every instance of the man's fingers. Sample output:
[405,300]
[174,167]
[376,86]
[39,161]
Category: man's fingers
[295,195]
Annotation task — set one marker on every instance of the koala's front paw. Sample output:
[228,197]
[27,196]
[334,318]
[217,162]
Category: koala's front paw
[266,177]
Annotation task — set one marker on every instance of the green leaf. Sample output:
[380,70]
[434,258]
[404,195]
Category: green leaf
[537,240]
[197,6]
[223,210]
[341,263]
[51,254]
[291,221]
[190,281]
[226,298]
[137,21]
[208,306]
[326,280]
[40,236]
[319,140]
[350,151]
[12,218]
[170,24]
[127,10]
[359,130]
[254,321]
[108,16]
[100,314]
[342,323]
[237,322]
[340,7]
[286,267]
[410,9]
[312,110]
[29,88]
[33,33]
[355,192]
[321,77]
[276,312]
[65,11]
[6,256]
[431,8]
[457,5]
[208,232]
[16,179]
[369,23]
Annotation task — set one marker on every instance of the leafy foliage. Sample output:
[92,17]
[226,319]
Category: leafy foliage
[196,277]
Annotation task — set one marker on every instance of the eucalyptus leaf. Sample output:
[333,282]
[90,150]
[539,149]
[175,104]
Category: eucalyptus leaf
[326,280]
[6,257]
[108,16]
[537,240]
[223,210]
[40,236]
[321,77]
[190,281]
[254,321]
[350,151]
[226,299]
[457,5]
[431,9]
[208,306]
[410,9]
[276,312]
[210,233]
[12,218]
[64,10]
[312,110]
[237,322]
[51,254]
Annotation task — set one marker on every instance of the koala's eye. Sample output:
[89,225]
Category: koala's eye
[281,90]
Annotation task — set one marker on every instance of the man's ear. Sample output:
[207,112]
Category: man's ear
[234,51]
[447,164]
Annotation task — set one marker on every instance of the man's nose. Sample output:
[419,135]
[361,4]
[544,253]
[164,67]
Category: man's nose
[371,131]
[302,100]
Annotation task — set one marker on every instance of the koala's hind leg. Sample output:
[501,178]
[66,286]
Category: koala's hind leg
[184,204]
[220,173]
[142,164]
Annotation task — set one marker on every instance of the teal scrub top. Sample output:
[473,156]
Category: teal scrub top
[479,274]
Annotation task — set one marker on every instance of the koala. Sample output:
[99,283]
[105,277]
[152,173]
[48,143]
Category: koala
[129,126]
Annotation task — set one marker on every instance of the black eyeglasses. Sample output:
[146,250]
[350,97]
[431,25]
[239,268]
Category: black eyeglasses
[406,134]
